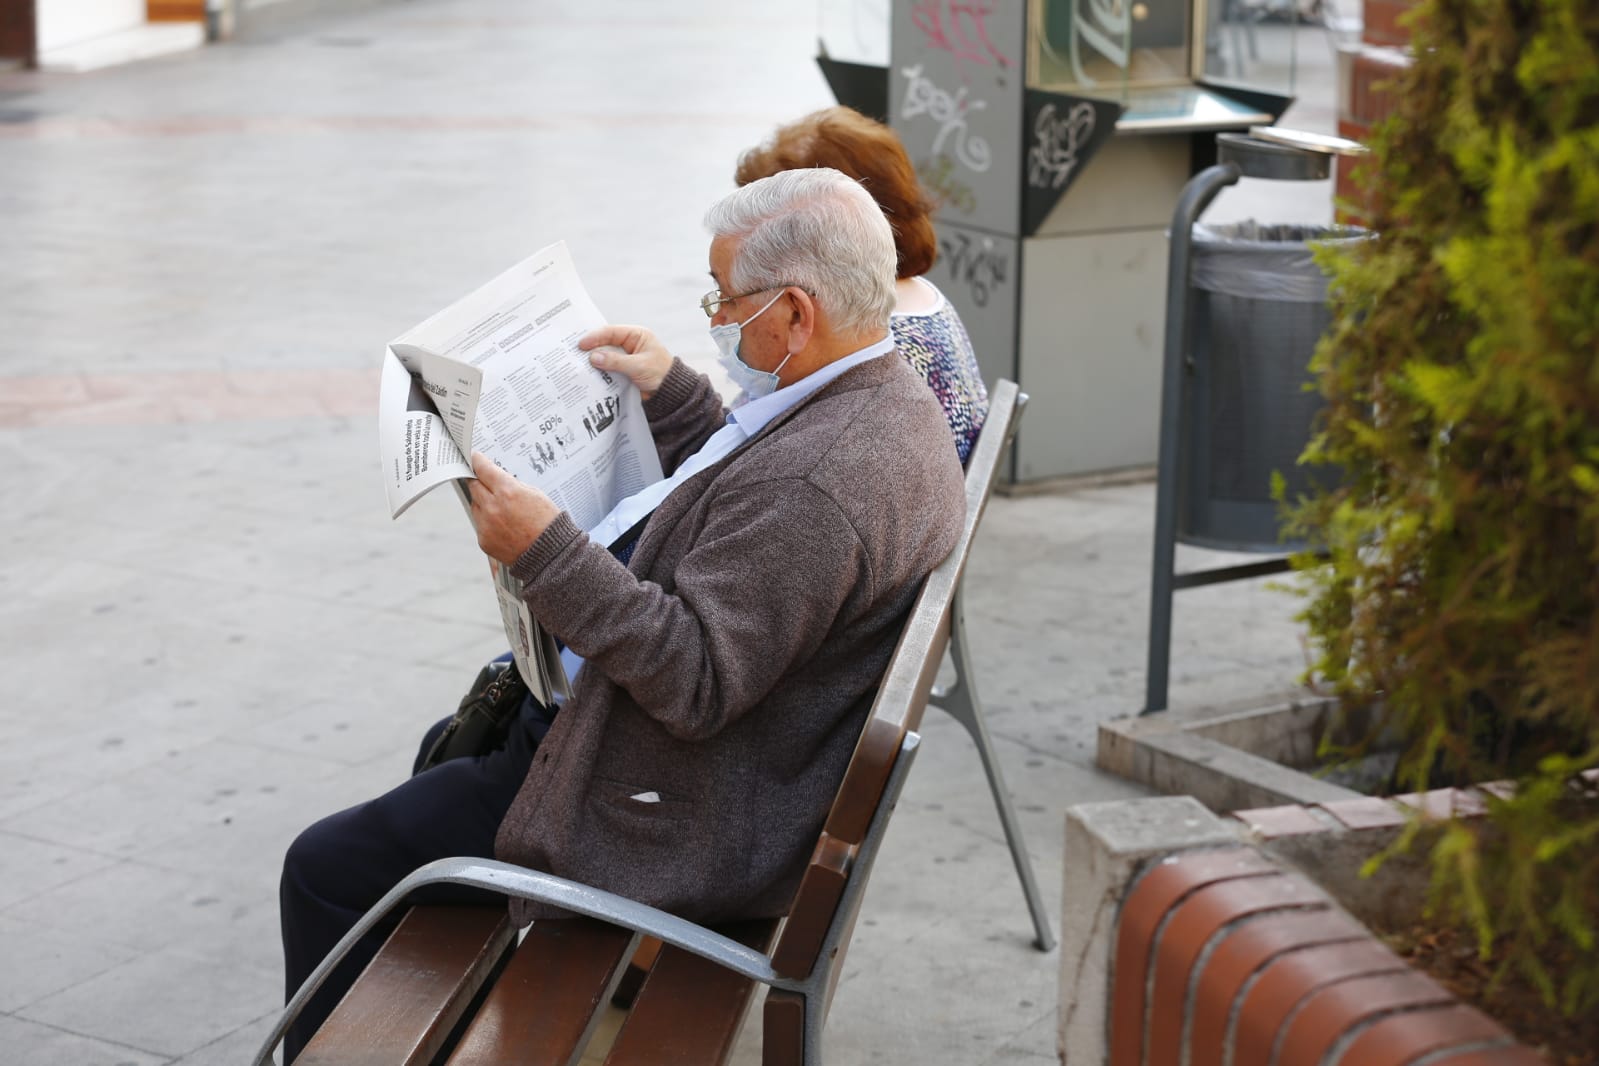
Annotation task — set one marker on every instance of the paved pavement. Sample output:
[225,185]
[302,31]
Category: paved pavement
[211,631]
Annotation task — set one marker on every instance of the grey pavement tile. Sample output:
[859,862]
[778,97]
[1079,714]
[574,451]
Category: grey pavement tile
[464,596]
[29,867]
[1034,1045]
[301,629]
[249,837]
[111,732]
[167,1002]
[933,871]
[41,961]
[188,789]
[1042,783]
[134,905]
[234,1048]
[352,725]
[982,984]
[45,1045]
[26,783]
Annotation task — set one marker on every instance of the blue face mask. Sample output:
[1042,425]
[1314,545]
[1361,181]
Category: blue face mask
[754,383]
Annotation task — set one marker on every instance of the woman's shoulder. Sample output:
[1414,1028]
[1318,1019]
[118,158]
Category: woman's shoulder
[931,301]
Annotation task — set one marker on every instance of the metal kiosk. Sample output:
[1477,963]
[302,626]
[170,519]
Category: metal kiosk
[1055,135]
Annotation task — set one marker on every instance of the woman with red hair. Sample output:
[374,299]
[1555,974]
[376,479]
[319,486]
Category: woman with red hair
[927,331]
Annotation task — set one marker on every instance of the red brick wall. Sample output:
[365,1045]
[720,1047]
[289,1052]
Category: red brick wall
[1383,52]
[1366,83]
[17,30]
[174,10]
[1382,22]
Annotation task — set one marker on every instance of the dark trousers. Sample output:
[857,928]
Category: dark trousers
[339,867]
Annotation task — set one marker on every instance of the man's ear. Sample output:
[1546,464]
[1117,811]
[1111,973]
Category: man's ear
[802,323]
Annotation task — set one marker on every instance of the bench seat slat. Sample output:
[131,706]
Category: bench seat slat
[688,1011]
[414,991]
[551,996]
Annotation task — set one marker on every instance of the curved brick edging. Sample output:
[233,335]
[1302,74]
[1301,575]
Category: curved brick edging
[1239,962]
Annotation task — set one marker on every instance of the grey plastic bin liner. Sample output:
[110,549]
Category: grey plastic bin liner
[1259,307]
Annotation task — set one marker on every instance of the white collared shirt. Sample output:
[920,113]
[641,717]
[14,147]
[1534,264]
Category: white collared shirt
[743,422]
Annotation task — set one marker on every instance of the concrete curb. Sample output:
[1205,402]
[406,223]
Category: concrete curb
[1227,757]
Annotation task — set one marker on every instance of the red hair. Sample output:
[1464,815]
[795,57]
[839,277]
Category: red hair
[867,151]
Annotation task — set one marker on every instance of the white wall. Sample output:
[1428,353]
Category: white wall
[64,22]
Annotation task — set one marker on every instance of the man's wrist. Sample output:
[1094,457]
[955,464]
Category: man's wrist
[676,387]
[554,538]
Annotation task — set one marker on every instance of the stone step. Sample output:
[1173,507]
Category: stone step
[125,46]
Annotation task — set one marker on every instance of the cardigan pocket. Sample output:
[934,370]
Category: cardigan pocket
[640,810]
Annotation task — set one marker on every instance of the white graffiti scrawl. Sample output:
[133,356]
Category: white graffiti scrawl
[922,97]
[1056,142]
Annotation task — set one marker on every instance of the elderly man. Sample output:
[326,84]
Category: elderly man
[727,668]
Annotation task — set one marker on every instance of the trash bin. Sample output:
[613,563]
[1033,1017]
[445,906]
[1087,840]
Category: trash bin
[1258,307]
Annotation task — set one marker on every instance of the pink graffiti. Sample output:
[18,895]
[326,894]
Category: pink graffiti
[959,28]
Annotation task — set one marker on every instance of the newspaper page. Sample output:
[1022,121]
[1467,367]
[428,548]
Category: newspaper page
[538,658]
[499,371]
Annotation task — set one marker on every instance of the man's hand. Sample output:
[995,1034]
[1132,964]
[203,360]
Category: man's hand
[630,350]
[508,515]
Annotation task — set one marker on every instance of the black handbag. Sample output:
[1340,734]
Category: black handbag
[483,719]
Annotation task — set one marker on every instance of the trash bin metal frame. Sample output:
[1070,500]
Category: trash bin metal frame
[1239,155]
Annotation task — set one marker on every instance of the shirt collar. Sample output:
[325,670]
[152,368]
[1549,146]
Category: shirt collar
[753,416]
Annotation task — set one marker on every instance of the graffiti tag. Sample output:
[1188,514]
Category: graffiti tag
[1056,143]
[937,175]
[960,29]
[981,268]
[922,97]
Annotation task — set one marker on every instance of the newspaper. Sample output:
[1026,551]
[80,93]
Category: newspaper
[499,371]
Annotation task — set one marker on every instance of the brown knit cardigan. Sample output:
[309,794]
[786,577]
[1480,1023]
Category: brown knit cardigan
[730,667]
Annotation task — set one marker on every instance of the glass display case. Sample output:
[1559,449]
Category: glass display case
[1165,61]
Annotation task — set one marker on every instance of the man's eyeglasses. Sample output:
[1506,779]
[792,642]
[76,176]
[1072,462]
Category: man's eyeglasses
[712,301]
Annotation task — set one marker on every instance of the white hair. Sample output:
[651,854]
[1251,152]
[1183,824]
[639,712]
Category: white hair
[818,230]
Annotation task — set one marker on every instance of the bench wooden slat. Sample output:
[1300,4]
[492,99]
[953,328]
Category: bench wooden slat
[899,705]
[783,1029]
[688,1011]
[649,949]
[412,994]
[551,996]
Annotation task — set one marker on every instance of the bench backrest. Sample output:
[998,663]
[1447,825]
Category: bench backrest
[896,712]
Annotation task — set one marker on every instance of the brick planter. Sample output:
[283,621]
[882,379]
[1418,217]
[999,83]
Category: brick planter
[1213,952]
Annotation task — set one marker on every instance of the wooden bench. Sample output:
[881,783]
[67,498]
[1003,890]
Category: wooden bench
[452,984]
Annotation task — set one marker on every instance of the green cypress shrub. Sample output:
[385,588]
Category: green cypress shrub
[1462,384]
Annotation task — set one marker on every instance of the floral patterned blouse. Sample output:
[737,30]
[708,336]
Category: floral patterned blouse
[936,346]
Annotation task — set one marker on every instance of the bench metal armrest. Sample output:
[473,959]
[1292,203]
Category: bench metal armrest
[535,885]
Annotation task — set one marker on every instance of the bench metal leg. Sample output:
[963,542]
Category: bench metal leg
[959,701]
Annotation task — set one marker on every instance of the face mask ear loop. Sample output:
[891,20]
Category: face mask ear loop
[762,311]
